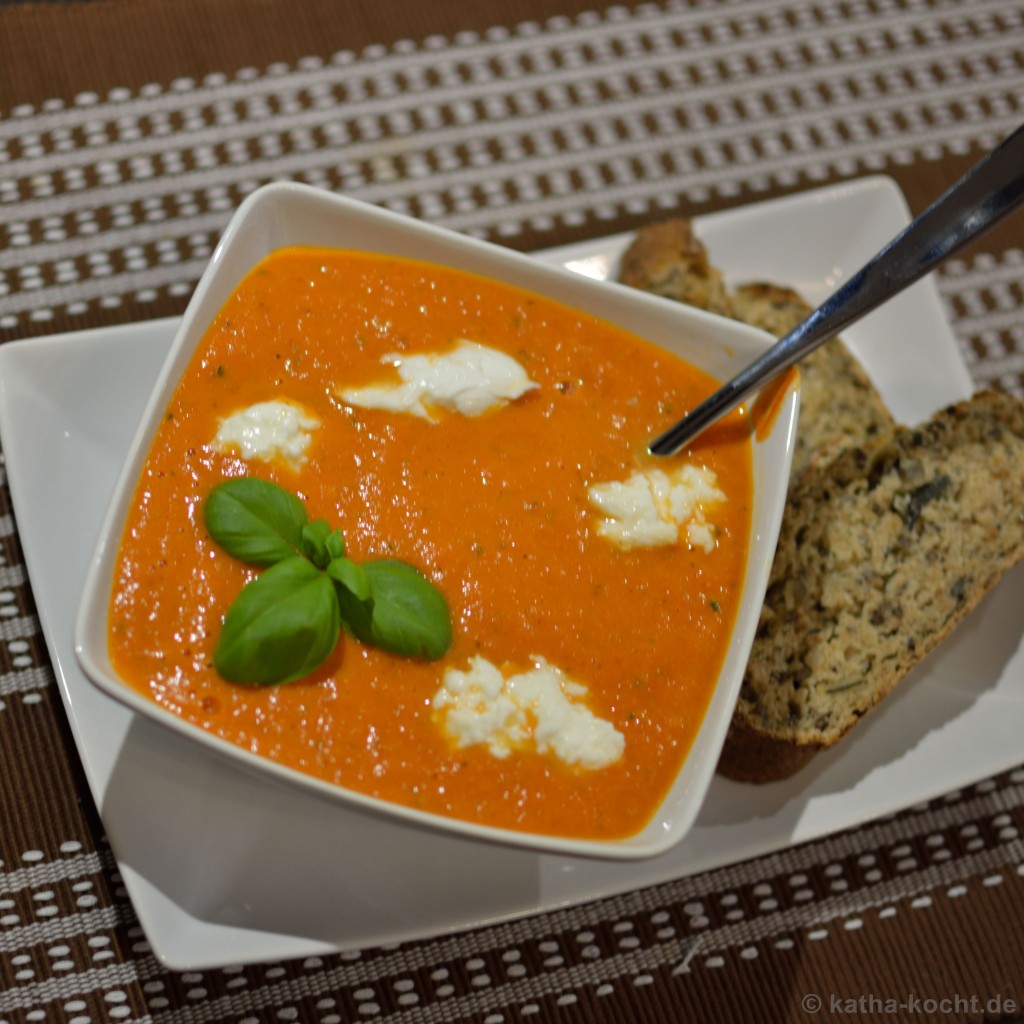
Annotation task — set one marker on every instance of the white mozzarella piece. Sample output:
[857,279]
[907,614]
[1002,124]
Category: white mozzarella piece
[651,508]
[540,709]
[471,379]
[267,431]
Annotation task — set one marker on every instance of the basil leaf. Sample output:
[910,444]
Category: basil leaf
[314,542]
[283,624]
[286,621]
[347,574]
[254,520]
[405,614]
[335,544]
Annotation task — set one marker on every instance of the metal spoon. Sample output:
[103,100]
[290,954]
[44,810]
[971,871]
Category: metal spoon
[993,188]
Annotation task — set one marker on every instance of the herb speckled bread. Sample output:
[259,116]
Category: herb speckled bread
[890,536]
[838,403]
[668,259]
[881,553]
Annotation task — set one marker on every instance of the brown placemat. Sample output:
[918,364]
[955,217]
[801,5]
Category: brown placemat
[128,133]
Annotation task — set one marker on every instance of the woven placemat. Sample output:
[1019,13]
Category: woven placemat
[130,130]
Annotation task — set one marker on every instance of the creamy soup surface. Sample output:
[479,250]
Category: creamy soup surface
[585,641]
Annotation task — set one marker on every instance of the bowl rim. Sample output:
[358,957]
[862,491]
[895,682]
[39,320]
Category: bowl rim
[266,211]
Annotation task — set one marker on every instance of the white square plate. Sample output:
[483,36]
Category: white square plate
[223,868]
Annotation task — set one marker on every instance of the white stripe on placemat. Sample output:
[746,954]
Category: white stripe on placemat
[600,969]
[672,951]
[92,979]
[449,199]
[681,150]
[632,108]
[52,929]
[666,60]
[47,873]
[18,627]
[845,158]
[26,681]
[509,47]
[12,575]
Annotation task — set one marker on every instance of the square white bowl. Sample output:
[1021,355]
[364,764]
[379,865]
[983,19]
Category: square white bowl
[286,214]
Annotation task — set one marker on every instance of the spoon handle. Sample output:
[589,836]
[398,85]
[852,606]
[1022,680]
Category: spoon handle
[993,188]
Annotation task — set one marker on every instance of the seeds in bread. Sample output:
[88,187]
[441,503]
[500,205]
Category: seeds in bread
[861,591]
[882,552]
[668,259]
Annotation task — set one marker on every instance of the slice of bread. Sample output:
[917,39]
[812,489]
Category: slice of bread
[882,552]
[668,259]
[891,534]
[839,405]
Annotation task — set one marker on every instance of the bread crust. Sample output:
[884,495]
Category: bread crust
[865,580]
[839,405]
[772,307]
[882,553]
[752,755]
[668,259]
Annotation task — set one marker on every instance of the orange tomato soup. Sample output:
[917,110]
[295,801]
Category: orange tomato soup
[493,509]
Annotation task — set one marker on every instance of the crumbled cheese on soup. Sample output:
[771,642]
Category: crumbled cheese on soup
[268,431]
[652,507]
[470,379]
[540,709]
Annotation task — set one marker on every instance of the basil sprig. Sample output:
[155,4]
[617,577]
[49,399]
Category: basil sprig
[286,621]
